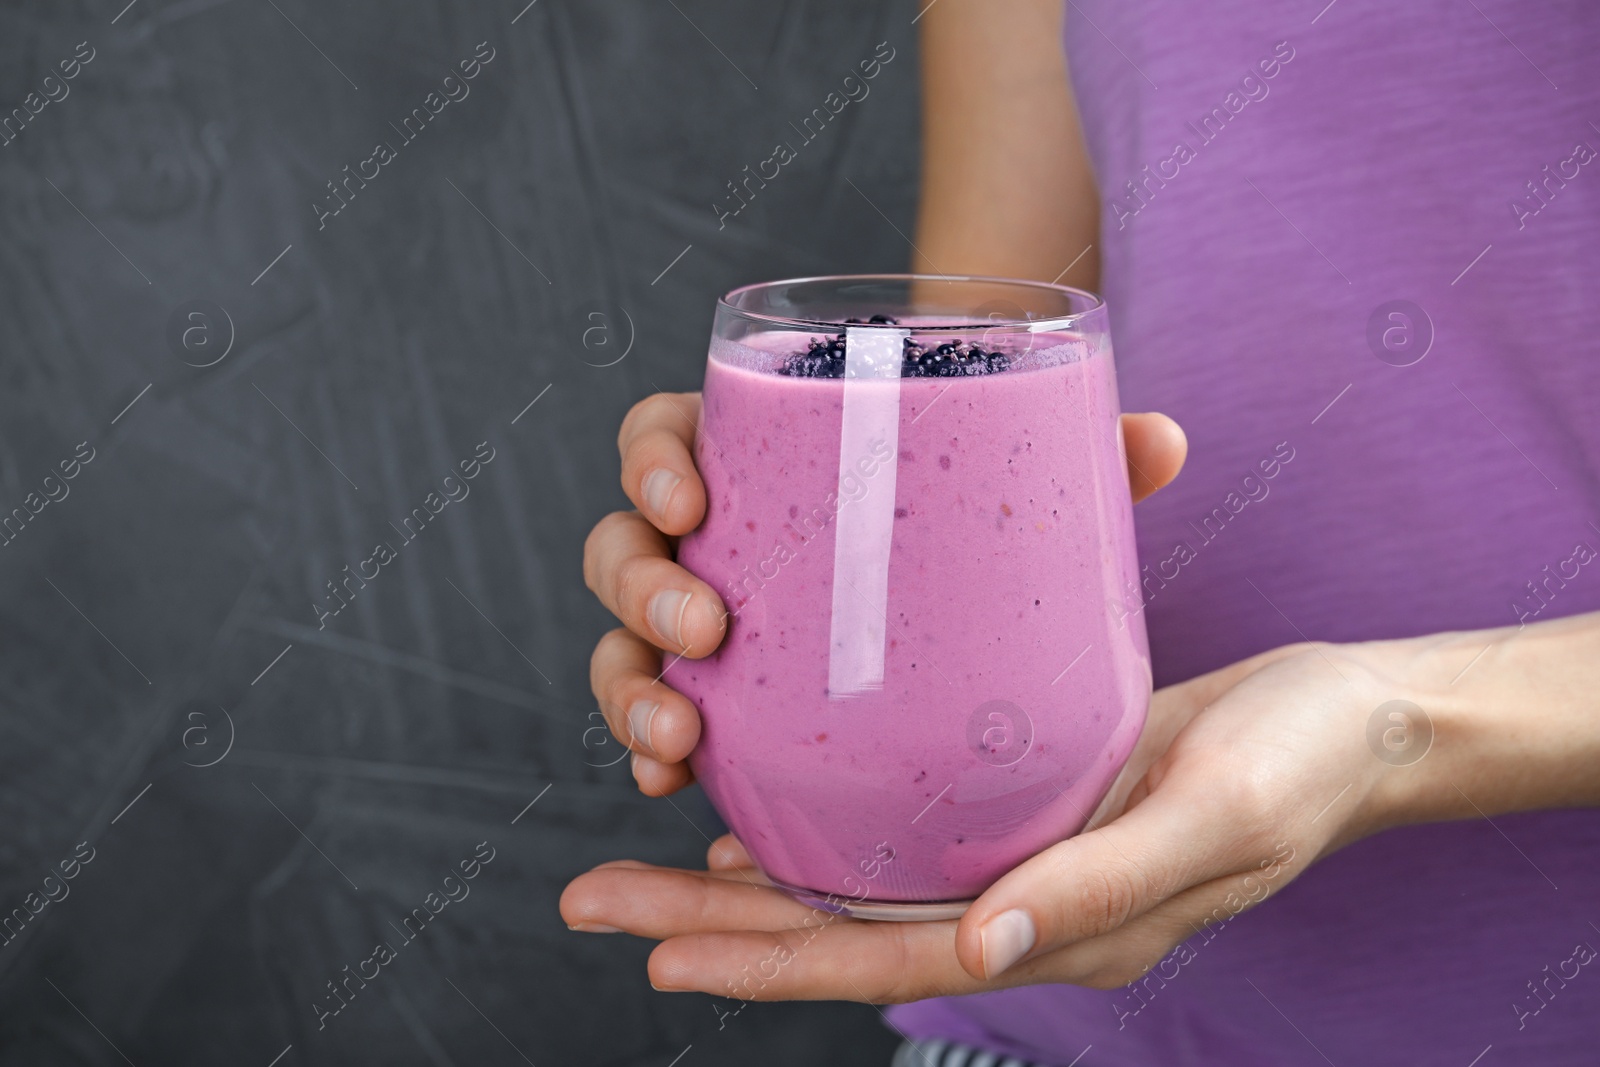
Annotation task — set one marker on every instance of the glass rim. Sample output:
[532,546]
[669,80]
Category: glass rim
[1095,301]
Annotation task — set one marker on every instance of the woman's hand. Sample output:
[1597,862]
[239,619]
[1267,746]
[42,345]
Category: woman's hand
[628,563]
[1241,779]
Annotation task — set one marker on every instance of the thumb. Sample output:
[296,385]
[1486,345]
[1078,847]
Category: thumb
[1091,884]
[1155,448]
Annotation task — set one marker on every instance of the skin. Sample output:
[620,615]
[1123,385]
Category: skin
[1243,777]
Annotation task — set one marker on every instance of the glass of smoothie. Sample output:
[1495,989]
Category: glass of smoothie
[919,518]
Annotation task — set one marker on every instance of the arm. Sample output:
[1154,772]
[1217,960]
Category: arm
[1242,779]
[1007,187]
[1516,719]
[1246,776]
[1007,191]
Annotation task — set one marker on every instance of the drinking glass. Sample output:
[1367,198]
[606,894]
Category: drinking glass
[919,519]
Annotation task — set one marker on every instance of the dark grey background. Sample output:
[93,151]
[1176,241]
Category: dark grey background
[379,751]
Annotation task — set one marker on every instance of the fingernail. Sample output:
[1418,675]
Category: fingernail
[1005,939]
[639,718]
[658,487]
[594,928]
[665,611]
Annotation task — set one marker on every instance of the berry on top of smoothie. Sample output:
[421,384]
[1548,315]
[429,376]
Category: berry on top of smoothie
[825,358]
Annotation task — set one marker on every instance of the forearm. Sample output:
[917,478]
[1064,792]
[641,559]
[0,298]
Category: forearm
[1515,715]
[1007,188]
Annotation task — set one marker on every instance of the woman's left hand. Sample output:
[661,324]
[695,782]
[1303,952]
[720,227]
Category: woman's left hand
[1242,778]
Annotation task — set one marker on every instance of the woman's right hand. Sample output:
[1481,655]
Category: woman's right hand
[628,563]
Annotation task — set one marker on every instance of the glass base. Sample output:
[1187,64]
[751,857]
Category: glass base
[878,910]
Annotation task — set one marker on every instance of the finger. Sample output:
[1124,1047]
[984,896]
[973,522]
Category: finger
[627,564]
[748,876]
[658,471]
[1146,944]
[727,853]
[644,713]
[1090,885]
[783,955]
[831,959]
[657,779]
[1156,448]
[663,902]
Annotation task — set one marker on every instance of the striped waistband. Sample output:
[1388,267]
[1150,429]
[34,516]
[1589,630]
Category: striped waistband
[937,1052]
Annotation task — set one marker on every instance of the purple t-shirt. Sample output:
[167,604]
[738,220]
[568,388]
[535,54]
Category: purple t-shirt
[1362,243]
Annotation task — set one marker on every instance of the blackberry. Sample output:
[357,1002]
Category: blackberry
[825,357]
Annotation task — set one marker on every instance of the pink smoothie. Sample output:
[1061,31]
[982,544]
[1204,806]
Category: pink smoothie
[985,712]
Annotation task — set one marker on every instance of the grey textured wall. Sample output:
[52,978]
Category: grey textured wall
[265,799]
